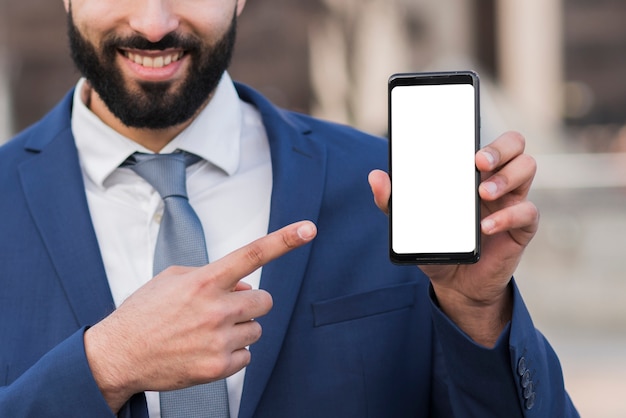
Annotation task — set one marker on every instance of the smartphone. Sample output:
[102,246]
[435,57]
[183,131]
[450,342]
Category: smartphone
[434,133]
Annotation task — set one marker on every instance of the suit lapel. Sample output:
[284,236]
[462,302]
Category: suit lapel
[54,190]
[299,169]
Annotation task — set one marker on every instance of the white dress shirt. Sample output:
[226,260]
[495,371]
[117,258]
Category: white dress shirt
[230,190]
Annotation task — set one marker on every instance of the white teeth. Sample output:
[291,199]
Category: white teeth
[150,62]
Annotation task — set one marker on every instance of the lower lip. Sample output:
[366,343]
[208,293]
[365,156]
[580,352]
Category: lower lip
[165,73]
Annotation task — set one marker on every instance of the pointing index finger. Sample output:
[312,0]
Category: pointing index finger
[243,261]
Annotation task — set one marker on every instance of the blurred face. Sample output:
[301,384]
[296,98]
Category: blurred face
[153,63]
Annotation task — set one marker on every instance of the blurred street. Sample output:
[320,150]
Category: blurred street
[573,280]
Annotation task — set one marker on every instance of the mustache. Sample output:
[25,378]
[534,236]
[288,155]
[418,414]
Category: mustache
[171,40]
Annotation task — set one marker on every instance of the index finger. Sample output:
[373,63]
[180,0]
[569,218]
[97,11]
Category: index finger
[233,267]
[502,150]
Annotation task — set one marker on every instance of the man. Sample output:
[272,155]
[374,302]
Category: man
[86,330]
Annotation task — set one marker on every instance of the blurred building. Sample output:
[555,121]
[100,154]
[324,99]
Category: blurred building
[332,57]
[37,67]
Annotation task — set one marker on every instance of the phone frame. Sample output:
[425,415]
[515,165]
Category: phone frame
[435,78]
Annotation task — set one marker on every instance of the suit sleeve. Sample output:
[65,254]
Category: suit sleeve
[520,377]
[60,384]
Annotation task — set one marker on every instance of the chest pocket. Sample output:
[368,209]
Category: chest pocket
[361,305]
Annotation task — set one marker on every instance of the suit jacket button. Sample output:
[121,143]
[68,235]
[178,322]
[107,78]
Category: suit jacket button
[529,390]
[530,402]
[521,366]
[525,379]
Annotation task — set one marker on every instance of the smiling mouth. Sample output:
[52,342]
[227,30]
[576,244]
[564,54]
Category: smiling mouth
[153,61]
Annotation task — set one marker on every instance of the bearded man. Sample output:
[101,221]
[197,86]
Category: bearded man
[278,298]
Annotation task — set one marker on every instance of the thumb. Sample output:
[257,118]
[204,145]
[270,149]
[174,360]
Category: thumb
[381,189]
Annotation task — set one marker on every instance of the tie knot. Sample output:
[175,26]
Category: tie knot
[165,172]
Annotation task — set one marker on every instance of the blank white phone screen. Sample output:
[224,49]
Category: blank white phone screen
[433,169]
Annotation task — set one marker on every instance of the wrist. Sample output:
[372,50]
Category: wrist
[482,320]
[106,367]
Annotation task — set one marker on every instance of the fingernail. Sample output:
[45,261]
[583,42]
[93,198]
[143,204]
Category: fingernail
[306,231]
[488,225]
[490,157]
[490,187]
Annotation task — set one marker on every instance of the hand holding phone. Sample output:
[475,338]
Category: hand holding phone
[434,131]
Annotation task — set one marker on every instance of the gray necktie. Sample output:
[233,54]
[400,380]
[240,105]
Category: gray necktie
[180,242]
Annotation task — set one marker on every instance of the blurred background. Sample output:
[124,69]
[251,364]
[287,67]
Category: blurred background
[551,69]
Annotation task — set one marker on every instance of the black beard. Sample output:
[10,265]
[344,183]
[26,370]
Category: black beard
[154,105]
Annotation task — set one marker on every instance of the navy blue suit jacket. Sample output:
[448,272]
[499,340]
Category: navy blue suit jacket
[350,334]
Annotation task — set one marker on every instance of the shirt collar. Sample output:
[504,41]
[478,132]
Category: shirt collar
[214,135]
